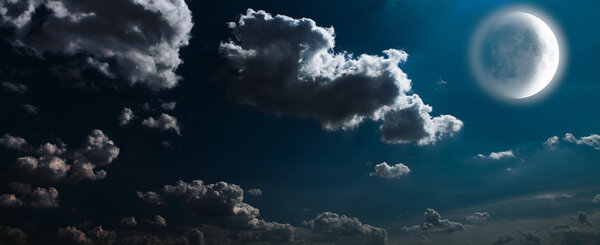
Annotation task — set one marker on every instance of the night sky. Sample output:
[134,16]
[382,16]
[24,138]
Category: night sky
[289,122]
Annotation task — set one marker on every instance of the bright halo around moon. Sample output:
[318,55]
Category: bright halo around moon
[515,55]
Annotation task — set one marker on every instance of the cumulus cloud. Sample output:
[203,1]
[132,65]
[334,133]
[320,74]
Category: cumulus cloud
[150,197]
[224,203]
[529,238]
[102,236]
[343,226]
[254,192]
[28,197]
[168,106]
[596,199]
[136,40]
[73,235]
[498,155]
[434,222]
[157,220]
[128,222]
[165,122]
[591,140]
[9,235]
[478,217]
[384,170]
[13,142]
[126,116]
[503,239]
[552,142]
[288,66]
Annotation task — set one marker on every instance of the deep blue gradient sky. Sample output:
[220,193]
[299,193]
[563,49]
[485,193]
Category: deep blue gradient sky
[304,170]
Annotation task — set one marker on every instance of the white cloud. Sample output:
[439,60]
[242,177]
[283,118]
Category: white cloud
[29,197]
[498,155]
[254,192]
[343,226]
[553,196]
[478,217]
[13,142]
[165,122]
[552,142]
[434,222]
[288,66]
[126,116]
[592,140]
[384,170]
[150,197]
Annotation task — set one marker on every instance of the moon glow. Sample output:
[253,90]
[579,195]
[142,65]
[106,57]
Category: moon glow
[515,55]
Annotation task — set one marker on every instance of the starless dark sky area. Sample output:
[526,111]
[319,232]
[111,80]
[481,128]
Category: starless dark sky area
[304,170]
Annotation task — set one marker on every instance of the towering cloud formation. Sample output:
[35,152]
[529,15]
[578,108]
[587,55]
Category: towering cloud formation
[288,66]
[136,40]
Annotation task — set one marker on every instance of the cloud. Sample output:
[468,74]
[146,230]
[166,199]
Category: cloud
[73,235]
[288,66]
[498,155]
[28,197]
[31,109]
[503,239]
[128,222]
[434,222]
[9,235]
[254,192]
[158,221]
[343,226]
[552,142]
[150,197]
[136,40]
[529,238]
[224,203]
[591,140]
[596,199]
[582,217]
[553,196]
[165,122]
[384,170]
[102,236]
[18,88]
[478,217]
[99,149]
[13,142]
[168,106]
[126,116]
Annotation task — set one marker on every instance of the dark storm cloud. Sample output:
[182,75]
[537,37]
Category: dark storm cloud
[478,217]
[582,217]
[434,222]
[73,235]
[529,238]
[165,122]
[150,197]
[126,116]
[503,239]
[13,142]
[288,66]
[9,235]
[336,225]
[384,170]
[136,40]
[102,236]
[224,203]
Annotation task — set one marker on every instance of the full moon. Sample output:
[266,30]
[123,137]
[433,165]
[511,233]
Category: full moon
[515,55]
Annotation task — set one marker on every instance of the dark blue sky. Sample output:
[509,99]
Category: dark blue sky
[302,169]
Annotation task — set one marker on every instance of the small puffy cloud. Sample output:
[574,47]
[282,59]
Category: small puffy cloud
[498,155]
[343,226]
[99,149]
[552,142]
[224,203]
[101,236]
[503,239]
[553,196]
[165,122]
[434,222]
[128,222]
[15,87]
[596,199]
[582,217]
[384,170]
[478,217]
[288,66]
[30,109]
[126,116]
[28,197]
[150,197]
[254,192]
[73,235]
[13,142]
[40,170]
[168,106]
[157,220]
[591,140]
[140,40]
